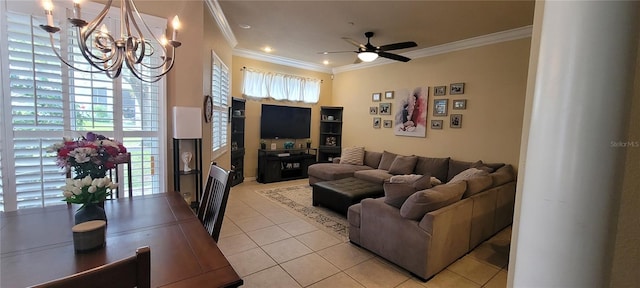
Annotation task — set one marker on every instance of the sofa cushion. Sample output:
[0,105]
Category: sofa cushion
[397,191]
[425,201]
[352,155]
[467,174]
[455,167]
[372,159]
[494,166]
[436,167]
[477,184]
[403,165]
[331,171]
[372,175]
[503,175]
[386,160]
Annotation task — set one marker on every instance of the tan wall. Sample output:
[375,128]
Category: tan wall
[626,255]
[253,107]
[495,78]
[189,80]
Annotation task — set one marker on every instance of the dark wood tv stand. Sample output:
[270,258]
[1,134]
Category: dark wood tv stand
[284,164]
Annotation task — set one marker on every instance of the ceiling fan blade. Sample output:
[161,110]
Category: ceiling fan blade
[393,56]
[353,42]
[396,46]
[331,52]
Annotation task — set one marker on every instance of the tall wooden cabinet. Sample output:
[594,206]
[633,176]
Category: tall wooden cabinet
[330,142]
[237,140]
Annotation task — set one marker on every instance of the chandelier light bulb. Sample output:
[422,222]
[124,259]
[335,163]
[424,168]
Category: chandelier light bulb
[48,10]
[163,40]
[176,26]
[76,9]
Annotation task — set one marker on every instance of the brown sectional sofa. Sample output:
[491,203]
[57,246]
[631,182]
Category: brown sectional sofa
[425,243]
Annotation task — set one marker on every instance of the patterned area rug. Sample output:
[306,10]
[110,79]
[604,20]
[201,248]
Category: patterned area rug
[298,199]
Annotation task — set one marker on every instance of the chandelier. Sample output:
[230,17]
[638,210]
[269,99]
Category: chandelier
[107,53]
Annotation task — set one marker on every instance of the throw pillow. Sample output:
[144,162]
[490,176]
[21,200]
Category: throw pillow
[467,174]
[404,178]
[425,201]
[352,155]
[397,190]
[455,167]
[372,159]
[403,165]
[437,167]
[396,193]
[386,160]
[477,184]
[435,181]
[503,175]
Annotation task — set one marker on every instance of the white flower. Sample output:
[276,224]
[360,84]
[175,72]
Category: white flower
[107,143]
[113,185]
[67,194]
[76,190]
[92,189]
[77,183]
[69,181]
[86,181]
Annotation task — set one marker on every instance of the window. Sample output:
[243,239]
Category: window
[43,101]
[220,96]
[281,87]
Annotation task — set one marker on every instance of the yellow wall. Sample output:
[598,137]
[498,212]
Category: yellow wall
[495,78]
[253,107]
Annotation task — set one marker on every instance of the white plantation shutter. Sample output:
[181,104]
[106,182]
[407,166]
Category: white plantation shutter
[220,83]
[47,101]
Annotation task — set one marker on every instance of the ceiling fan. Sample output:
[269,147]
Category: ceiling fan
[368,52]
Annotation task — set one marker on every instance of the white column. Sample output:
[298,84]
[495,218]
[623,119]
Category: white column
[582,90]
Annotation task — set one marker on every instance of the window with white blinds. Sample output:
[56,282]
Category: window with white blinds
[220,96]
[48,101]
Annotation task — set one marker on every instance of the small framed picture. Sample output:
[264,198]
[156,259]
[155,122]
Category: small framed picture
[460,104]
[387,123]
[439,90]
[376,122]
[440,107]
[436,124]
[388,95]
[376,97]
[456,88]
[373,110]
[385,108]
[456,121]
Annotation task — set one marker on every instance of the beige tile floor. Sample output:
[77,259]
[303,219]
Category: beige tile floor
[272,247]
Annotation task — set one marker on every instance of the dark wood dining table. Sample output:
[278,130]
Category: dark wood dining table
[37,243]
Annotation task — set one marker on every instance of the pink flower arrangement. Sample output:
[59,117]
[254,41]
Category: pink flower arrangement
[91,155]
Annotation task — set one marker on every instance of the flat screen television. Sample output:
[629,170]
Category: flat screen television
[285,122]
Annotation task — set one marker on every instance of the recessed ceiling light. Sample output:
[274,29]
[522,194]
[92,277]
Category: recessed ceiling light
[267,49]
[245,26]
[325,62]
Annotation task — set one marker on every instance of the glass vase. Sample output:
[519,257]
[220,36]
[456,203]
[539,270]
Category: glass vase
[91,211]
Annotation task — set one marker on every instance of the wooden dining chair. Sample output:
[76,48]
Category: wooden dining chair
[214,200]
[133,271]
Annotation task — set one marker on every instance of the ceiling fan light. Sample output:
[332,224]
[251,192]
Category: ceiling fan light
[367,56]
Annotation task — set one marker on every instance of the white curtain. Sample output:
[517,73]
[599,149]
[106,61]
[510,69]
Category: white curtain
[281,87]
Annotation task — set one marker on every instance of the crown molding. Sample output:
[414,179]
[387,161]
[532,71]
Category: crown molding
[221,20]
[503,36]
[280,60]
